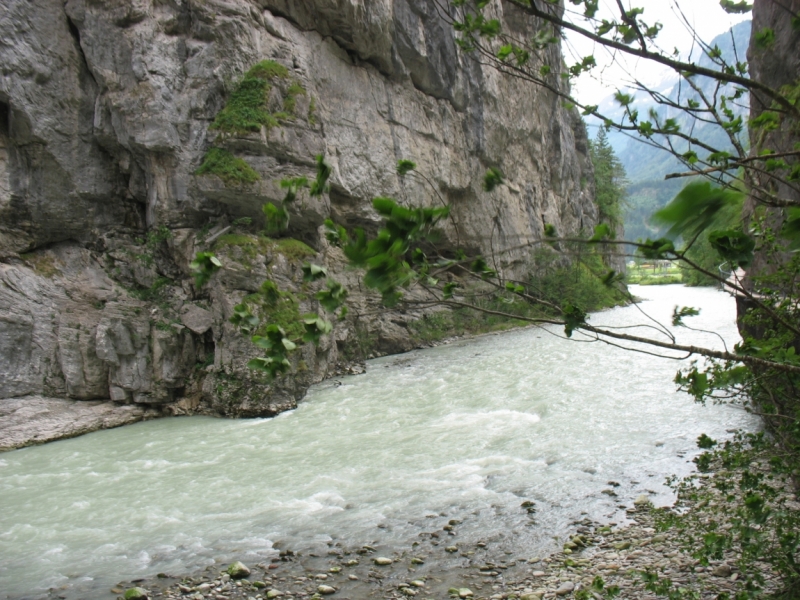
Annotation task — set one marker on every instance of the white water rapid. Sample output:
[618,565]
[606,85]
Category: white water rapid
[469,430]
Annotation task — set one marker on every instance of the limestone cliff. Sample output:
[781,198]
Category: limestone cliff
[109,114]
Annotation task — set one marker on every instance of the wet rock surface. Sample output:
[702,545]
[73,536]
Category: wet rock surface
[106,113]
[36,420]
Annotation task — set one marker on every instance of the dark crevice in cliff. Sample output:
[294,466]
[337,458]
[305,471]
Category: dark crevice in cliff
[76,36]
[5,119]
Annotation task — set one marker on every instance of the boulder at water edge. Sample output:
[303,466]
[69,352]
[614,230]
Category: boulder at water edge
[238,570]
[136,593]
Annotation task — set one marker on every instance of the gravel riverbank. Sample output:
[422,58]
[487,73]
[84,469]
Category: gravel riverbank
[437,567]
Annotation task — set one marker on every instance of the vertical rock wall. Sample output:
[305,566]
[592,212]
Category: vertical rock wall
[105,115]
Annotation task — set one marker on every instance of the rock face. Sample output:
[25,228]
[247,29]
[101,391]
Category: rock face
[107,113]
[776,65]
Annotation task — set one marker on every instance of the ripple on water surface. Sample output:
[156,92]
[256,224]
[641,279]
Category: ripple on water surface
[469,430]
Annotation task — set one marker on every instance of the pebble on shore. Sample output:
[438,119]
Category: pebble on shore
[616,554]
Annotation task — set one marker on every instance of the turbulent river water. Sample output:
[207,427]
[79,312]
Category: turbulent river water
[469,430]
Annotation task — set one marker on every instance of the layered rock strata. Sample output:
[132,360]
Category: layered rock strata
[109,115]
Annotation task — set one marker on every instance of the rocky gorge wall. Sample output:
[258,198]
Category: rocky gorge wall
[108,114]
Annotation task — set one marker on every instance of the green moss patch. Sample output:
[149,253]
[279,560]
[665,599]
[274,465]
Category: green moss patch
[231,169]
[251,246]
[43,264]
[290,101]
[276,307]
[246,109]
[294,249]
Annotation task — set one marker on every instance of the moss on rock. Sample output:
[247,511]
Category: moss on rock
[231,169]
[246,109]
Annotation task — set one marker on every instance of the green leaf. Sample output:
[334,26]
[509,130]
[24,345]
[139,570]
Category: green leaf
[574,317]
[695,208]
[242,318]
[731,7]
[384,206]
[542,39]
[679,313]
[719,158]
[694,382]
[312,272]
[765,38]
[449,289]
[276,218]
[492,179]
[480,267]
[315,328]
[768,120]
[602,232]
[405,166]
[610,278]
[659,249]
[292,187]
[734,246]
[490,28]
[604,27]
[791,228]
[335,234]
[690,156]
[204,265]
[320,185]
[705,443]
[333,297]
[505,52]
[550,230]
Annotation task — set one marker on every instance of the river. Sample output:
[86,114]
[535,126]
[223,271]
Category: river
[466,431]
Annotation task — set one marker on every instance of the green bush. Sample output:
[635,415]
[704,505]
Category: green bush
[231,169]
[246,109]
[577,284]
[294,249]
[253,245]
[290,101]
[274,306]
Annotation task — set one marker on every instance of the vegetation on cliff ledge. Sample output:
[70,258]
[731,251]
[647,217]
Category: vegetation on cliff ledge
[231,169]
[247,111]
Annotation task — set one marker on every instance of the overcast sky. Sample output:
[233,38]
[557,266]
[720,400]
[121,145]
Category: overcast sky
[705,17]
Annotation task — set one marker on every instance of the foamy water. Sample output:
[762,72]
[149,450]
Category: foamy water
[469,430]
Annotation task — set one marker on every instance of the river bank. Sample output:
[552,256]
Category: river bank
[469,431]
[35,420]
[438,566]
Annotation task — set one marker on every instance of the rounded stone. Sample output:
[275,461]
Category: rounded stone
[382,561]
[326,590]
[565,588]
[135,593]
[238,570]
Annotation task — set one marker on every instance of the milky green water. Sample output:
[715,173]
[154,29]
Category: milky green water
[469,430]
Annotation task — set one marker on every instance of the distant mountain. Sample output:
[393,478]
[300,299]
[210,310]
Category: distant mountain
[645,165]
